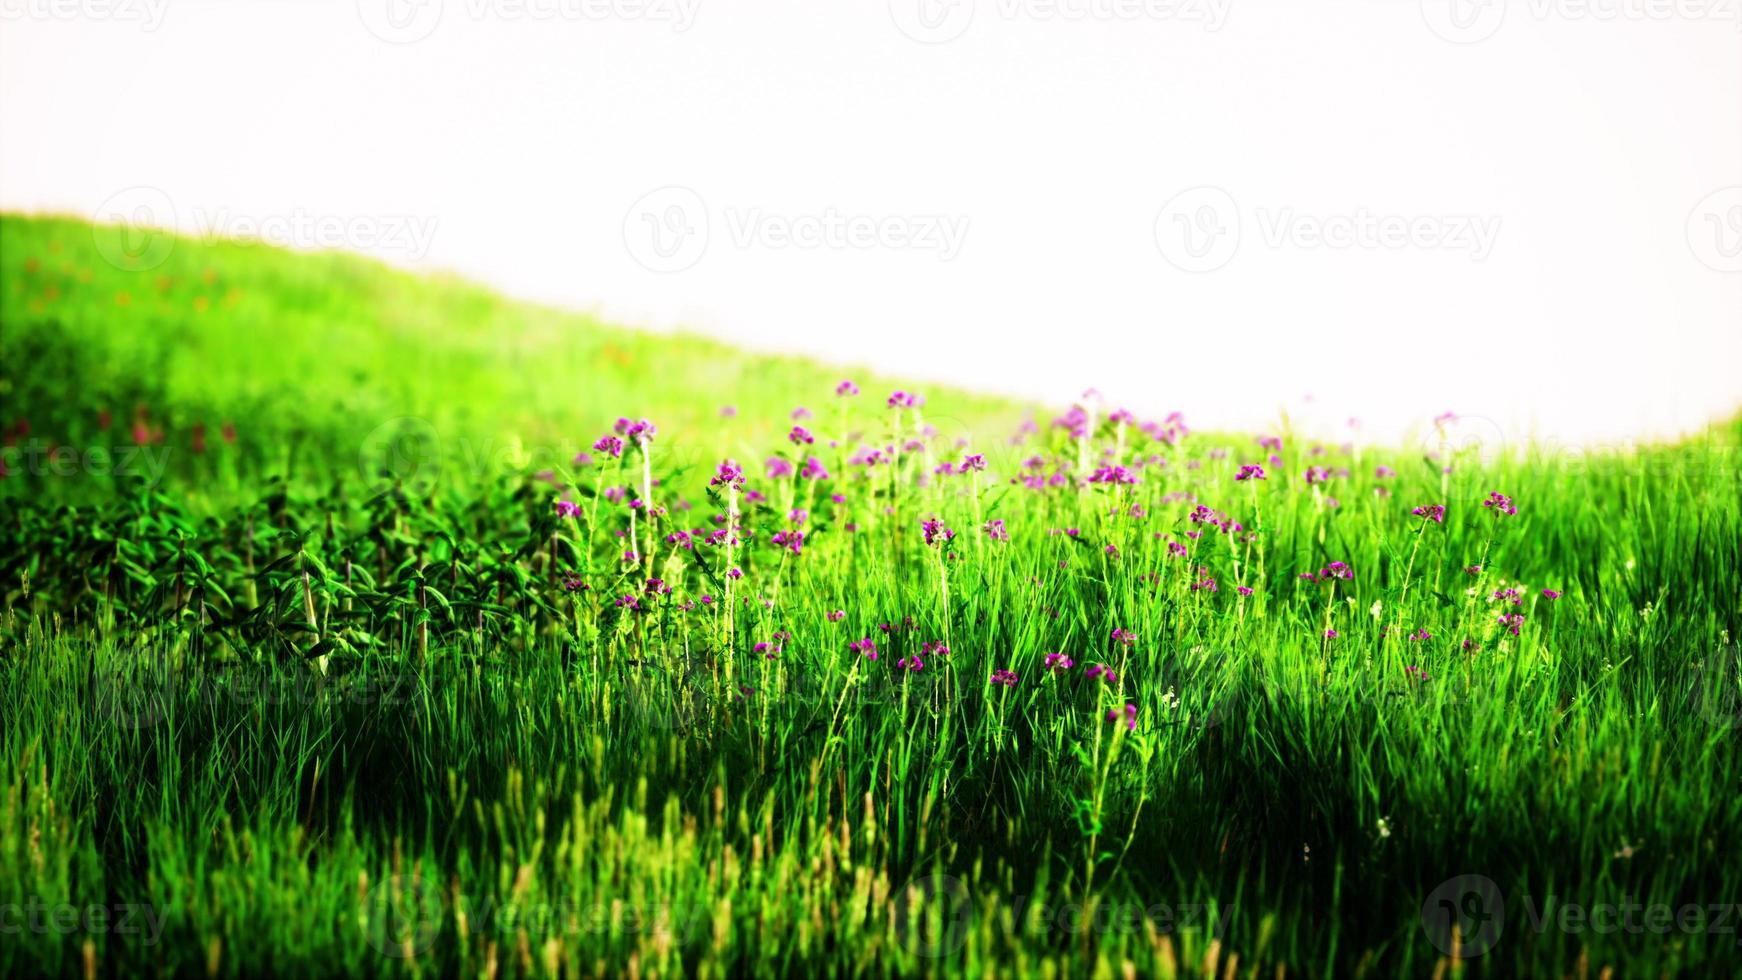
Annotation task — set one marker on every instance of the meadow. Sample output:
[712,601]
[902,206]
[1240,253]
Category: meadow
[369,623]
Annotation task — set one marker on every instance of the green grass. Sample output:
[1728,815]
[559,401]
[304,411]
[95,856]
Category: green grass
[320,701]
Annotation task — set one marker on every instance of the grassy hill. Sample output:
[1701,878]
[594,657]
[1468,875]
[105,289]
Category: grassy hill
[1109,699]
[309,354]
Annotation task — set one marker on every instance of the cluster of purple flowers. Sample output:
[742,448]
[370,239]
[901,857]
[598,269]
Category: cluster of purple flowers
[935,531]
[1117,475]
[729,474]
[639,431]
[1104,672]
[1330,573]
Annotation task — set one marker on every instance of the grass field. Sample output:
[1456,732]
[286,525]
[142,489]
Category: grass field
[356,622]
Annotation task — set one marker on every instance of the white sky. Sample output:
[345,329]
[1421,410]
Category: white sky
[1565,179]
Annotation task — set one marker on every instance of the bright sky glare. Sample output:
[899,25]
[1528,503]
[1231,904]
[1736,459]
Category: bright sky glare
[1526,211]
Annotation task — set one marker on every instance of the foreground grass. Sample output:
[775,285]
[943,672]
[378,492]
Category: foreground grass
[405,717]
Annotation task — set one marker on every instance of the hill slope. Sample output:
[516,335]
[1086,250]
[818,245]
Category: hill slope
[311,353]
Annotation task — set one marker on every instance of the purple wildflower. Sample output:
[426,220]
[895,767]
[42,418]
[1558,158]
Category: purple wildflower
[729,474]
[1114,475]
[1500,504]
[935,531]
[641,430]
[1106,673]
